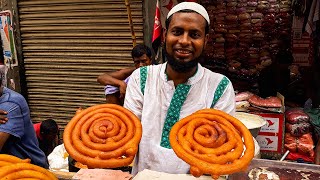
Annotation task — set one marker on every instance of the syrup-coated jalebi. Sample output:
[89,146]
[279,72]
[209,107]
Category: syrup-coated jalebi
[25,171]
[6,159]
[212,142]
[103,136]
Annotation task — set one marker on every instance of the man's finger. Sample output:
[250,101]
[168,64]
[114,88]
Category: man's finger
[3,112]
[3,121]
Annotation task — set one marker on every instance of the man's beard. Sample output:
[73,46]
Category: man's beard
[181,67]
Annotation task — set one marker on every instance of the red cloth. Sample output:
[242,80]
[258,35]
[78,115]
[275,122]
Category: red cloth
[37,129]
[157,28]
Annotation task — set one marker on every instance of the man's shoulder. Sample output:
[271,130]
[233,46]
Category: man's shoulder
[212,74]
[14,97]
[147,69]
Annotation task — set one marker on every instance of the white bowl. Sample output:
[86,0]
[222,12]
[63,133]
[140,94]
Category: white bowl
[252,121]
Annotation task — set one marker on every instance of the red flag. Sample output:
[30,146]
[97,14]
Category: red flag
[157,29]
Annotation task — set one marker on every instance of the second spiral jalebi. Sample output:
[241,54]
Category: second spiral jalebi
[212,142]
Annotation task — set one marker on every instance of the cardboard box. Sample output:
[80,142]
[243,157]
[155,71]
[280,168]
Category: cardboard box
[271,135]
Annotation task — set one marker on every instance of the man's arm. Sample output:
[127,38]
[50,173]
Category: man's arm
[134,97]
[3,139]
[3,117]
[115,78]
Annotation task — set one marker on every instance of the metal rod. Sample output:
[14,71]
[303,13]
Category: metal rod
[285,155]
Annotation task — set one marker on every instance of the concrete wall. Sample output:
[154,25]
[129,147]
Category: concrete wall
[15,74]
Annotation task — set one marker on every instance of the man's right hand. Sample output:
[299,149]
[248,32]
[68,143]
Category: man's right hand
[3,117]
[122,89]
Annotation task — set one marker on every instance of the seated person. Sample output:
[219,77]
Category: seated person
[17,135]
[47,134]
[116,82]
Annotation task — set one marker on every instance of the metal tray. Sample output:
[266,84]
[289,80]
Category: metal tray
[285,170]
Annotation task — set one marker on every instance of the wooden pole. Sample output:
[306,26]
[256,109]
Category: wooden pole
[130,23]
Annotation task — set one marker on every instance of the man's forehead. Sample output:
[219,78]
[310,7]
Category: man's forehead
[181,19]
[190,6]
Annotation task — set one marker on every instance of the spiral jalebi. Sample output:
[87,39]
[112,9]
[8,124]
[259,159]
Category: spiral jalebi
[25,171]
[6,159]
[103,136]
[212,142]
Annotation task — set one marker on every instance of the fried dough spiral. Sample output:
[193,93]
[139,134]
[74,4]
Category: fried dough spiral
[211,142]
[6,159]
[25,171]
[103,136]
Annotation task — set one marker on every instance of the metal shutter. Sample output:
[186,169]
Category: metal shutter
[66,44]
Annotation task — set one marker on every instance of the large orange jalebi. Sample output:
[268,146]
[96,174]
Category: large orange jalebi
[6,159]
[25,171]
[211,142]
[103,136]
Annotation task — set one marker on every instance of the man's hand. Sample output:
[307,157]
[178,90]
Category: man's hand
[122,88]
[3,117]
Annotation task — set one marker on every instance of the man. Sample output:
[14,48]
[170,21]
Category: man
[47,135]
[17,136]
[162,94]
[116,82]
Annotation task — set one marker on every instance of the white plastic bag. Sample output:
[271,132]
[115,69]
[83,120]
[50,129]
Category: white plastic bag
[58,159]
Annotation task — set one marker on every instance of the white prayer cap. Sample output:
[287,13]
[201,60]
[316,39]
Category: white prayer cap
[191,6]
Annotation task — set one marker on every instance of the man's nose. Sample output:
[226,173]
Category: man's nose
[184,39]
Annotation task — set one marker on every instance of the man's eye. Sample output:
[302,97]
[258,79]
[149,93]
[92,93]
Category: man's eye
[195,35]
[176,32]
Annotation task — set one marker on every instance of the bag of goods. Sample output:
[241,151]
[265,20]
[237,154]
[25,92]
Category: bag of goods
[270,102]
[298,129]
[303,145]
[295,115]
[296,156]
[242,105]
[243,96]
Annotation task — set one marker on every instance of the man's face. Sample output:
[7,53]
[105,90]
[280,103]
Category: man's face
[143,60]
[185,39]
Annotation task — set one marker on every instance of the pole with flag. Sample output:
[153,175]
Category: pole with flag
[157,29]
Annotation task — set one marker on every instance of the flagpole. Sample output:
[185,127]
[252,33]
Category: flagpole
[133,36]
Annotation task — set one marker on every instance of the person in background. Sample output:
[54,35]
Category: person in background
[161,95]
[116,82]
[47,133]
[276,77]
[17,135]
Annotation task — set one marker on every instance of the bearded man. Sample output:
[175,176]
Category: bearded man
[161,95]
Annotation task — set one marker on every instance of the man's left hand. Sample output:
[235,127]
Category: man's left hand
[3,117]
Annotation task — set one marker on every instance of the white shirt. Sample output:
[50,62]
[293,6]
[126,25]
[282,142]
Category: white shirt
[152,106]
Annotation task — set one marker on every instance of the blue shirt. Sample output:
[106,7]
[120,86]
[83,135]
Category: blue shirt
[23,142]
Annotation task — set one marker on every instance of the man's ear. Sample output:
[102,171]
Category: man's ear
[164,34]
[206,40]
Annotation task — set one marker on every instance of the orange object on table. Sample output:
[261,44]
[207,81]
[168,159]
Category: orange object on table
[25,170]
[6,159]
